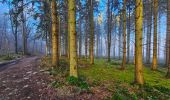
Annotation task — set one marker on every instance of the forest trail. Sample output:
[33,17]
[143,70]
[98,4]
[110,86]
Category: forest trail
[24,80]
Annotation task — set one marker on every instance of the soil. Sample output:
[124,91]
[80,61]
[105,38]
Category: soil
[25,80]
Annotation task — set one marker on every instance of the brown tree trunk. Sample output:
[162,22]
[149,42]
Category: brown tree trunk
[149,29]
[124,35]
[91,33]
[154,61]
[128,37]
[80,38]
[24,30]
[168,32]
[109,30]
[138,42]
[55,38]
[72,32]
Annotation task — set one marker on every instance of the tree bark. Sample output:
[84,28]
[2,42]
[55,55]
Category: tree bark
[109,30]
[16,38]
[55,38]
[80,39]
[138,42]
[72,32]
[154,61]
[168,32]
[124,36]
[24,30]
[91,33]
[128,37]
[149,29]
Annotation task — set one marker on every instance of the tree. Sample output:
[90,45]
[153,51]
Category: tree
[55,49]
[154,61]
[149,29]
[138,42]
[24,34]
[168,36]
[109,14]
[130,7]
[72,32]
[124,35]
[91,33]
[14,14]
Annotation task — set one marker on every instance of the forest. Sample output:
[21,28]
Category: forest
[84,49]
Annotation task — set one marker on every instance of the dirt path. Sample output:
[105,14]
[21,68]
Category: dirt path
[24,80]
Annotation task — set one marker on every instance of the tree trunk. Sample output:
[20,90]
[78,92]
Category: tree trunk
[55,39]
[91,33]
[154,61]
[97,41]
[16,38]
[66,28]
[149,29]
[128,38]
[24,30]
[109,30]
[168,32]
[80,38]
[167,45]
[72,32]
[138,42]
[124,36]
[120,25]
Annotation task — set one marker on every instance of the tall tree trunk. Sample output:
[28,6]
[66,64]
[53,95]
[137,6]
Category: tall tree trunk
[167,45]
[154,61]
[47,45]
[16,38]
[55,38]
[138,42]
[167,49]
[91,33]
[128,37]
[149,29]
[66,28]
[72,32]
[159,39]
[97,41]
[86,42]
[80,38]
[124,36]
[120,35]
[109,30]
[168,32]
[24,30]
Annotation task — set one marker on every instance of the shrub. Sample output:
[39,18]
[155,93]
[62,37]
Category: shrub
[80,82]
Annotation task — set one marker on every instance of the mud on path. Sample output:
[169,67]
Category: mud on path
[24,80]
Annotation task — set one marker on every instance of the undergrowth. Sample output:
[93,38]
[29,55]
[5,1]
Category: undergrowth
[156,87]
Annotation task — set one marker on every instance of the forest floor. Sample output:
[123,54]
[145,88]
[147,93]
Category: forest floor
[24,80]
[33,79]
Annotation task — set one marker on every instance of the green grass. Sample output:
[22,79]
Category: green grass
[4,58]
[109,78]
[102,71]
